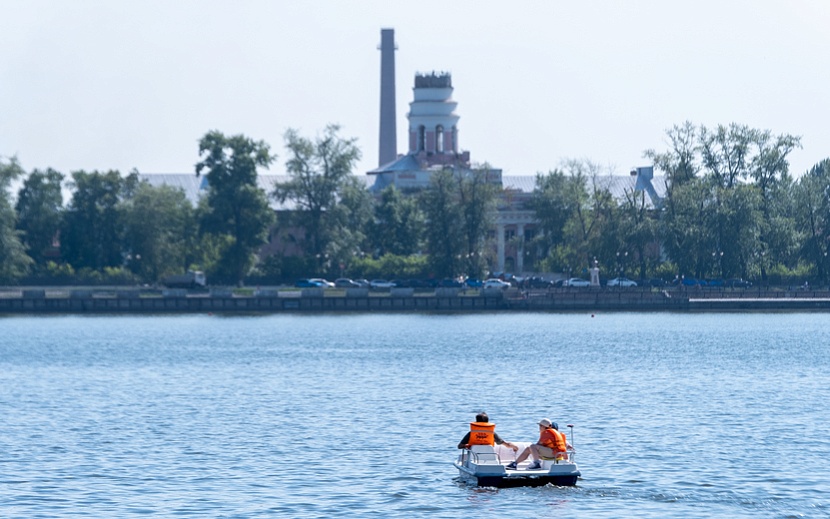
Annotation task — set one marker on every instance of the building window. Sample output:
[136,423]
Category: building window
[509,234]
[439,139]
[422,137]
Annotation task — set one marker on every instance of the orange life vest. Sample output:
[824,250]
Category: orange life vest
[561,441]
[553,439]
[482,433]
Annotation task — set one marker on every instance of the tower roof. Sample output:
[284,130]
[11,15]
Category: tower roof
[433,80]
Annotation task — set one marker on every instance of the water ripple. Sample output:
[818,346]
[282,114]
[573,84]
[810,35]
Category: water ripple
[358,415]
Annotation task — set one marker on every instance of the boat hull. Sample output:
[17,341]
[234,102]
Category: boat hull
[528,481]
[559,475]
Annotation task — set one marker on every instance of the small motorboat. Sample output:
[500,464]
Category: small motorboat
[486,466]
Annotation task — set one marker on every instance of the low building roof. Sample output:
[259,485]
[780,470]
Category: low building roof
[194,187]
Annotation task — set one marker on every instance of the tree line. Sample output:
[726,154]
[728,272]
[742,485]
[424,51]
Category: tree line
[731,209]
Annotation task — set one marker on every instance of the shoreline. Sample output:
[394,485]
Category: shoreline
[179,301]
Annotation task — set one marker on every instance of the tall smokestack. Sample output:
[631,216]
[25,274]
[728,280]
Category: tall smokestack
[388,144]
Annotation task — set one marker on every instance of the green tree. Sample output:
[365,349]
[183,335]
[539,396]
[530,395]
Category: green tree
[92,231]
[445,233]
[318,170]
[681,162]
[236,211]
[40,210]
[726,153]
[477,197]
[585,227]
[769,171]
[351,215]
[638,230]
[398,224]
[14,262]
[160,231]
[686,227]
[556,200]
[813,218]
[737,208]
[552,208]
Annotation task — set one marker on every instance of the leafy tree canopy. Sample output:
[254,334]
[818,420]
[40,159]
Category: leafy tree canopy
[236,207]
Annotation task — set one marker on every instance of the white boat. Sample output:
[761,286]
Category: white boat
[486,466]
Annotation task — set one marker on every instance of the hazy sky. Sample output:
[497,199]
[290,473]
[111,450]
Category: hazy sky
[134,84]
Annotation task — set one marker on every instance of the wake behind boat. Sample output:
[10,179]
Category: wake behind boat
[486,466]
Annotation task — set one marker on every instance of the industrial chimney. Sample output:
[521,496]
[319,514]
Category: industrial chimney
[388,143]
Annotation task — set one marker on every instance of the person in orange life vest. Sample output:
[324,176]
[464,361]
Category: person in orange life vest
[482,432]
[551,444]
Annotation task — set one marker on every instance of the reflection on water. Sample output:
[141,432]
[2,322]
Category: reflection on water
[358,415]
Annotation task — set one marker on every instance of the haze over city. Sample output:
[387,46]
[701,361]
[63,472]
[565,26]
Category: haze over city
[116,85]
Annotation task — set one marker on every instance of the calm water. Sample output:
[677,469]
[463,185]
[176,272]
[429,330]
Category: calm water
[711,415]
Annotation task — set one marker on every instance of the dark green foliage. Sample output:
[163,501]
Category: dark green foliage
[39,212]
[320,170]
[458,207]
[160,231]
[445,230]
[728,210]
[235,207]
[93,228]
[812,214]
[391,266]
[398,224]
[14,262]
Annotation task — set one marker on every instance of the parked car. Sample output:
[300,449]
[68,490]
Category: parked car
[450,283]
[537,282]
[621,282]
[690,282]
[362,283]
[496,283]
[515,281]
[346,283]
[379,284]
[474,283]
[307,283]
[322,283]
[576,282]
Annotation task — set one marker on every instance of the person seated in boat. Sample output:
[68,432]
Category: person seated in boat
[552,444]
[483,432]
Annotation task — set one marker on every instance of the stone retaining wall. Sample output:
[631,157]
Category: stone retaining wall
[33,301]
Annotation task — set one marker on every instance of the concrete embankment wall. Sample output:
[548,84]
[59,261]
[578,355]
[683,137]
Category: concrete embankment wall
[36,301]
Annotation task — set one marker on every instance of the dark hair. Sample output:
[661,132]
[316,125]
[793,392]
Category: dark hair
[482,417]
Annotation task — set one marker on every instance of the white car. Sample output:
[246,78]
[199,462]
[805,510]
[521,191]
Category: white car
[496,283]
[576,282]
[379,284]
[346,283]
[621,282]
[323,283]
